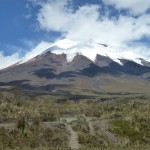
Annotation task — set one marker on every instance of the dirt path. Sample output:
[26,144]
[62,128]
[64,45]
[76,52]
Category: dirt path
[68,119]
[73,140]
[7,125]
[104,127]
[89,121]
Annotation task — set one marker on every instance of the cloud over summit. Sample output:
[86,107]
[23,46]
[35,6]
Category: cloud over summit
[86,22]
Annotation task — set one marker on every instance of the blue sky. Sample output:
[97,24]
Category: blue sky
[18,27]
[28,24]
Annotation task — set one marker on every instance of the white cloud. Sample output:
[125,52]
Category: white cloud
[54,16]
[27,16]
[84,23]
[144,51]
[36,50]
[134,6]
[6,61]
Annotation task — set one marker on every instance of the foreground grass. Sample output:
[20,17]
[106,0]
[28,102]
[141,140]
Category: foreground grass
[127,121]
[33,138]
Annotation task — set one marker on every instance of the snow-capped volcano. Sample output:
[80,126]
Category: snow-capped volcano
[79,65]
[89,49]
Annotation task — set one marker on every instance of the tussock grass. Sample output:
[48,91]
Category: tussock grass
[127,118]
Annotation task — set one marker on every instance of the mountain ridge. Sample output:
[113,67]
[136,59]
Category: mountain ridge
[74,71]
[90,49]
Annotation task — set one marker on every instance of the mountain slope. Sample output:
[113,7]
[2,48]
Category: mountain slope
[78,67]
[89,49]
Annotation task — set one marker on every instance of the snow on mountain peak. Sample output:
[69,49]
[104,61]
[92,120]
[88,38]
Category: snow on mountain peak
[65,43]
[90,49]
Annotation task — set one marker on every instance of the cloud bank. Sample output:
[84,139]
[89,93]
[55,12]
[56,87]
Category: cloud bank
[6,61]
[87,23]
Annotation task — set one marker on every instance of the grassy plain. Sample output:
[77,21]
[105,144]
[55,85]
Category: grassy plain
[42,123]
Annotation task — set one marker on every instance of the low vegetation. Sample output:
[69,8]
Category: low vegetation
[35,123]
[33,138]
